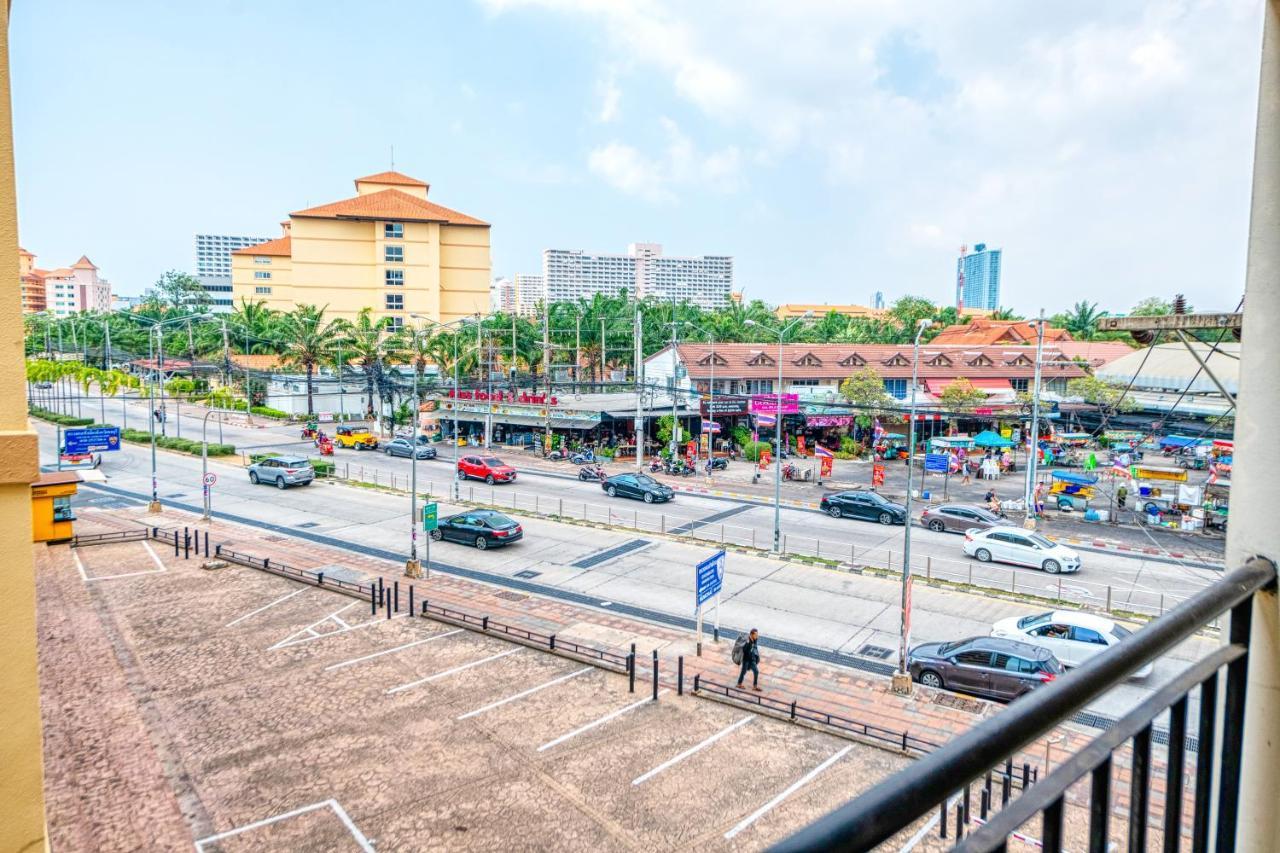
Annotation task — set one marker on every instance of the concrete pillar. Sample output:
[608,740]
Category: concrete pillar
[1253,529]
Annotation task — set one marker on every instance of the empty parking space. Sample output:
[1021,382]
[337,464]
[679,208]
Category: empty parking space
[304,720]
[117,561]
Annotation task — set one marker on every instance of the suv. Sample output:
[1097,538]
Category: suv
[282,471]
[989,666]
[357,436]
[865,505]
[491,469]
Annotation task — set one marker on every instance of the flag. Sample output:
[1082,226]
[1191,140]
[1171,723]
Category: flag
[877,431]
[766,420]
[1213,472]
[821,452]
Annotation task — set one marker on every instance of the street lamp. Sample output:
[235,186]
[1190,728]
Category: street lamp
[777,434]
[461,322]
[902,678]
[413,568]
[711,402]
[204,460]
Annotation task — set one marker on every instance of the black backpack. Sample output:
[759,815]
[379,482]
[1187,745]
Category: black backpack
[738,646]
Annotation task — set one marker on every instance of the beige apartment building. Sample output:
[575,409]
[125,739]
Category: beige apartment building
[387,248]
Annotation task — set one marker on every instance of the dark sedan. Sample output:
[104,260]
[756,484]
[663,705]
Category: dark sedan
[483,528]
[403,447]
[987,666]
[639,486]
[865,505]
[957,518]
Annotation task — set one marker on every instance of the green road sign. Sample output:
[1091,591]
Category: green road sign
[429,519]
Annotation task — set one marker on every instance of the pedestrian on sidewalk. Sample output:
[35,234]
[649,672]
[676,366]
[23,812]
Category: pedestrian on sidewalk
[746,652]
[964,472]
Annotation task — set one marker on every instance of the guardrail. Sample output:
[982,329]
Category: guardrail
[86,539]
[898,801]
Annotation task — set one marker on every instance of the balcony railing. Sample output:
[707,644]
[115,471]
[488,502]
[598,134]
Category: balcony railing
[899,801]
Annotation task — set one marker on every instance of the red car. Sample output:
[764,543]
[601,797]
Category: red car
[491,469]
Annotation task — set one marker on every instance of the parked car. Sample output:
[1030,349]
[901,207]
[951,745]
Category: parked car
[483,528]
[282,471]
[1072,637]
[865,505]
[404,447]
[987,666]
[355,436]
[1010,545]
[491,469]
[957,518]
[638,486]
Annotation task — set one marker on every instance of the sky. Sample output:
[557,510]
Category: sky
[835,149]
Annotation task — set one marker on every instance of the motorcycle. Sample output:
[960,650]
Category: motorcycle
[592,473]
[655,466]
[584,457]
[790,472]
[557,455]
[719,463]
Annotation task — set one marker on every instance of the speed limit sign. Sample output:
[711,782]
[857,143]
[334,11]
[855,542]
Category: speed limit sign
[210,478]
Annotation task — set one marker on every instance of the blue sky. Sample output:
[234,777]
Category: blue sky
[834,149]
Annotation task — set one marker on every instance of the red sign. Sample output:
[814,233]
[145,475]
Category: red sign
[877,475]
[984,410]
[825,470]
[768,404]
[800,445]
[765,458]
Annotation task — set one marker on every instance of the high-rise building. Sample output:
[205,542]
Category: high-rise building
[502,295]
[570,274]
[978,277]
[531,291]
[63,291]
[386,248]
[213,266]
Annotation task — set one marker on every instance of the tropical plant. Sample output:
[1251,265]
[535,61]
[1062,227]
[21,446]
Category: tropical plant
[1105,395]
[865,390]
[309,342]
[369,346]
[1082,320]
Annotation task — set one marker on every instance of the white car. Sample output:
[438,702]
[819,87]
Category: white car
[1072,637]
[1021,548]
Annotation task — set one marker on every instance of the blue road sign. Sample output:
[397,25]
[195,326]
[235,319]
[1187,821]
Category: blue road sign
[710,577]
[936,462]
[91,440]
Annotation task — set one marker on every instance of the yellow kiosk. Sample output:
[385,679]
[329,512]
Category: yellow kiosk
[51,514]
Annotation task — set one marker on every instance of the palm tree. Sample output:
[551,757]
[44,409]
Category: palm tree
[309,342]
[1005,314]
[1082,321]
[254,326]
[369,347]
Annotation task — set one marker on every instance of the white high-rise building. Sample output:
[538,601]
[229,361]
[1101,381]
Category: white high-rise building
[531,291]
[213,266]
[644,271]
[502,295]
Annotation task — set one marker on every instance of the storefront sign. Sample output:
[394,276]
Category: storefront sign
[725,406]
[829,420]
[768,404]
[827,462]
[984,410]
[877,474]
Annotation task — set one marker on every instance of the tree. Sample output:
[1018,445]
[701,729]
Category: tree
[1005,314]
[1102,394]
[910,310]
[865,390]
[370,348]
[309,342]
[961,397]
[1082,320]
[176,289]
[1152,306]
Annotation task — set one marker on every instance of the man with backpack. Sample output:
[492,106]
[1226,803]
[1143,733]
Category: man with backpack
[746,653]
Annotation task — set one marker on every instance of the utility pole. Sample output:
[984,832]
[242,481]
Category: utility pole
[577,350]
[603,359]
[675,369]
[1029,491]
[106,352]
[638,337]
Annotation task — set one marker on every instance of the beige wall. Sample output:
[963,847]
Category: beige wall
[244,284]
[22,825]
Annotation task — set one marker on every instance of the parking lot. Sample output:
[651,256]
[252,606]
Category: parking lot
[301,721]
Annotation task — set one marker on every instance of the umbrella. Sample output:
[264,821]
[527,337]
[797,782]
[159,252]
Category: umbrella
[988,438]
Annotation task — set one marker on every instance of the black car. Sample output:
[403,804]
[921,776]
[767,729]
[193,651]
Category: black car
[988,666]
[866,505]
[483,528]
[639,486]
[403,447]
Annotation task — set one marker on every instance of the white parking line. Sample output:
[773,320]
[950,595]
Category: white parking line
[154,558]
[456,669]
[795,786]
[691,750]
[364,843]
[240,619]
[312,634]
[525,693]
[79,565]
[392,651]
[589,726]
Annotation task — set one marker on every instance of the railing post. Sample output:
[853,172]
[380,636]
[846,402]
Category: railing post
[484,623]
[793,710]
[319,578]
[266,563]
[1005,780]
[942,819]
[696,677]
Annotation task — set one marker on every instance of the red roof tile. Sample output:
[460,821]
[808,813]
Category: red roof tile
[389,204]
[981,331]
[280,247]
[83,264]
[391,178]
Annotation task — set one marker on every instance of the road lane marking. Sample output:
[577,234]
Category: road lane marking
[361,840]
[691,750]
[391,651]
[456,669]
[264,607]
[591,725]
[312,634]
[154,557]
[795,786]
[84,576]
[525,693]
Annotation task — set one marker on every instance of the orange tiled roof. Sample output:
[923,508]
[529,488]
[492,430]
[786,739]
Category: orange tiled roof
[280,247]
[25,253]
[983,332]
[60,272]
[83,264]
[256,361]
[389,204]
[391,178]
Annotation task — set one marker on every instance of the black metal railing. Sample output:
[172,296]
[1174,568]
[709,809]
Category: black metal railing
[86,539]
[897,802]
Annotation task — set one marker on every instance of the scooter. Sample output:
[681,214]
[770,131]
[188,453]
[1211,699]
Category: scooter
[585,457]
[592,473]
[655,466]
[790,472]
[719,463]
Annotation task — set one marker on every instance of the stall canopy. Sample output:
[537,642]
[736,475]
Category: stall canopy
[1181,441]
[988,438]
[1075,479]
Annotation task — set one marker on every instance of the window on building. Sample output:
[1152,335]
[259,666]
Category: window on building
[395,278]
[395,324]
[395,301]
[804,382]
[261,259]
[262,291]
[393,230]
[759,386]
[1021,384]
[896,388]
[261,274]
[393,254]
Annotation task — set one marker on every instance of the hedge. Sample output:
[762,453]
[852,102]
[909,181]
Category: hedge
[61,420]
[169,442]
[752,450]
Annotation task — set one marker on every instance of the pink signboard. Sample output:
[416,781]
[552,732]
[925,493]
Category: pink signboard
[768,404]
[828,420]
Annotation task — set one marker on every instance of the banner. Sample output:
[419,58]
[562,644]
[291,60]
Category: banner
[765,458]
[936,462]
[829,420]
[800,446]
[877,474]
[726,405]
[90,440]
[768,404]
[825,470]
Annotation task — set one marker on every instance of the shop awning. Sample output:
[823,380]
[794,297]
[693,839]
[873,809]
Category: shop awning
[523,420]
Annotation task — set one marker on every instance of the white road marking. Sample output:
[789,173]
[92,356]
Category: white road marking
[795,786]
[160,567]
[296,636]
[691,750]
[391,651]
[365,844]
[525,693]
[589,726]
[155,558]
[79,565]
[924,830]
[456,669]
[264,607]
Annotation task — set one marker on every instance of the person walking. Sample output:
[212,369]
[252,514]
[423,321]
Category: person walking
[964,472]
[1039,500]
[746,653]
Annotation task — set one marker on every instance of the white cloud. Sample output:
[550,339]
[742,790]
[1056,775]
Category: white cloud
[657,179]
[610,97]
[626,169]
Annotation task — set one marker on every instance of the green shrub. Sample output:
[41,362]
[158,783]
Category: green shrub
[751,450]
[268,412]
[61,420]
[222,449]
[849,446]
[741,435]
[323,467]
[607,452]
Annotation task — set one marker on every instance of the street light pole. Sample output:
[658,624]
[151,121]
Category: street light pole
[413,568]
[1032,458]
[902,678]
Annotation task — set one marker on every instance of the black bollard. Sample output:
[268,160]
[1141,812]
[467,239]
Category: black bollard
[186,545]
[175,543]
[679,672]
[942,819]
[631,672]
[959,821]
[1005,779]
[387,602]
[373,600]
[320,579]
[396,595]
[410,610]
[655,675]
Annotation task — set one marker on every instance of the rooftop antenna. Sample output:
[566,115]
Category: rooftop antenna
[393,158]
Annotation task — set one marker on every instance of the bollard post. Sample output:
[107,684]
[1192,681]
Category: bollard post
[319,578]
[381,590]
[551,642]
[1026,775]
[1059,588]
[373,600]
[662,523]
[959,821]
[266,562]
[175,543]
[696,676]
[793,710]
[631,673]
[410,610]
[982,803]
[679,671]
[196,543]
[484,623]
[942,819]
[971,574]
[1005,779]
[387,603]
[655,675]
[928,568]
[966,803]
[395,598]
[425,607]
[218,552]
[1108,598]
[715,633]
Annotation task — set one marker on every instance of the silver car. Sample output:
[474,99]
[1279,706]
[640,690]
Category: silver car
[282,471]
